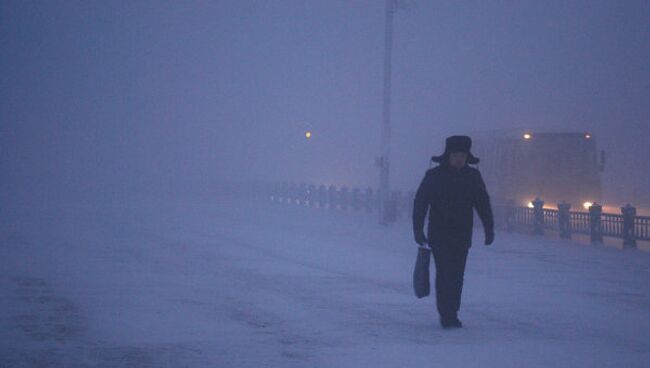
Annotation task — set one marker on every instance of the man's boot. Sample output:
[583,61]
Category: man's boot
[455,322]
[449,322]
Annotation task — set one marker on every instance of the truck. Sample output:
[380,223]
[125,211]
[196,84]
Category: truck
[553,166]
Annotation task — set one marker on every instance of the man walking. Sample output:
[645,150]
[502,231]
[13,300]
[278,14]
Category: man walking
[450,192]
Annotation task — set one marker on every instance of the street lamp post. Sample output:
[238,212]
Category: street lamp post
[384,161]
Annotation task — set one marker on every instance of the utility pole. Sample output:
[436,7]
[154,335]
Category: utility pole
[384,160]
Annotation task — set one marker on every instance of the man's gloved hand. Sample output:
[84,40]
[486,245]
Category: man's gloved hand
[489,237]
[420,239]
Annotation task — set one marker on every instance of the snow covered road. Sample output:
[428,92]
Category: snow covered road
[235,283]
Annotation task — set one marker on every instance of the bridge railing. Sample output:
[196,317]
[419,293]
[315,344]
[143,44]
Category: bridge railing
[537,219]
[627,225]
[340,198]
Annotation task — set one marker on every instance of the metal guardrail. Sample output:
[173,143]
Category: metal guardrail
[627,225]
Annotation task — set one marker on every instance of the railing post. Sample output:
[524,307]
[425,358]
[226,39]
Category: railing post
[368,200]
[302,194]
[322,196]
[390,212]
[356,193]
[293,193]
[311,195]
[396,197]
[284,192]
[331,197]
[563,219]
[275,191]
[629,236]
[595,223]
[510,215]
[538,217]
[343,198]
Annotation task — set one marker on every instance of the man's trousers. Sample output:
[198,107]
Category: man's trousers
[450,262]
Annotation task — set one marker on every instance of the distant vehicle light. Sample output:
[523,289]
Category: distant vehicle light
[527,136]
[588,136]
[308,135]
[586,205]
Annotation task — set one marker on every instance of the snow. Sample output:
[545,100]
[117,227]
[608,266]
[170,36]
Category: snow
[230,282]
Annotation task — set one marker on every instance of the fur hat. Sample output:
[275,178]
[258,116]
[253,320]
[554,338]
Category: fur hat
[457,143]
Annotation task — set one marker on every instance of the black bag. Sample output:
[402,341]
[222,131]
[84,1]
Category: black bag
[421,284]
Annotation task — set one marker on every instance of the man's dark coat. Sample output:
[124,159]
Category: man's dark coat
[450,194]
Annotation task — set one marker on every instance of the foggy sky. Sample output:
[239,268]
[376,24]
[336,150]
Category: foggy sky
[128,97]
